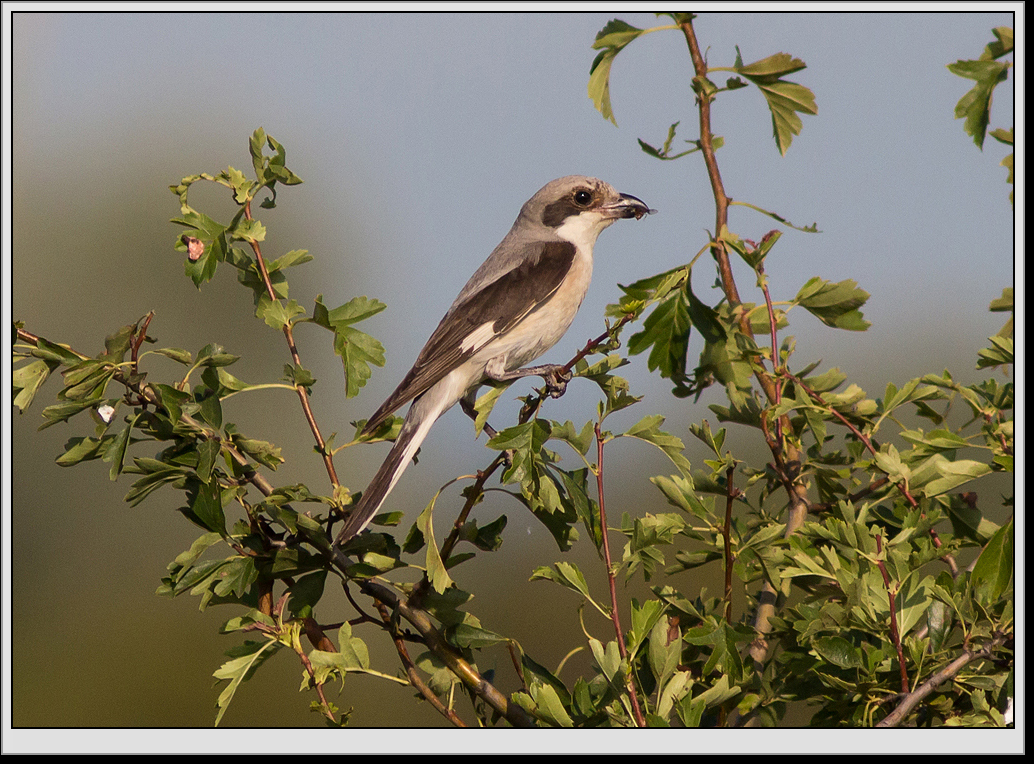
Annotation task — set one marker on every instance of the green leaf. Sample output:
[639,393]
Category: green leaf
[570,577]
[261,451]
[975,105]
[26,381]
[648,429]
[680,493]
[213,237]
[275,313]
[205,506]
[579,441]
[116,450]
[357,349]
[772,68]
[665,334]
[153,479]
[665,151]
[215,355]
[62,354]
[836,304]
[611,39]
[784,99]
[993,571]
[173,400]
[176,354]
[294,257]
[607,658]
[484,404]
[938,475]
[466,636]
[87,381]
[84,449]
[61,412]
[245,660]
[236,577]
[437,573]
[548,705]
[838,651]
[644,618]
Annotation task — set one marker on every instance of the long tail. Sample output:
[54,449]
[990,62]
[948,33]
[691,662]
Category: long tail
[422,414]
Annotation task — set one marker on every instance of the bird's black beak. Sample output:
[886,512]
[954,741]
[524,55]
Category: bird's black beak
[628,206]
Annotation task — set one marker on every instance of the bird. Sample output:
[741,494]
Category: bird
[515,307]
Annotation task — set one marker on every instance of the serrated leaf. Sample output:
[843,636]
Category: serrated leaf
[245,660]
[834,304]
[975,105]
[784,99]
[276,313]
[26,381]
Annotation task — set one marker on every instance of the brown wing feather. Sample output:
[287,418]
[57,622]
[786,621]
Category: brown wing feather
[504,302]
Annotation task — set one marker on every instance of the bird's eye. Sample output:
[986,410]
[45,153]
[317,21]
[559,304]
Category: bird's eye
[582,197]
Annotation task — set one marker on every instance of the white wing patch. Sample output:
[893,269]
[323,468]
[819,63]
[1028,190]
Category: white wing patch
[477,338]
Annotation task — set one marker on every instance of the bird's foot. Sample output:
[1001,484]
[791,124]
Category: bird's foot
[556,381]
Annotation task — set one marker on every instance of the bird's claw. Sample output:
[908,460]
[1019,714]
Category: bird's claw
[556,381]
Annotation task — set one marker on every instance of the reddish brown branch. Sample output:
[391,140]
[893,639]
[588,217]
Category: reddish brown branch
[614,615]
[413,674]
[303,394]
[894,635]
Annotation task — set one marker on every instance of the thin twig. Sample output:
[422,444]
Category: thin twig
[894,635]
[731,492]
[785,455]
[303,394]
[419,618]
[411,671]
[614,616]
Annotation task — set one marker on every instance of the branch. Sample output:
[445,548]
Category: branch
[413,674]
[420,619]
[912,699]
[303,394]
[619,634]
[894,636]
[785,455]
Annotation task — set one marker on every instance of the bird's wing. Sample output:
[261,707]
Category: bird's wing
[489,312]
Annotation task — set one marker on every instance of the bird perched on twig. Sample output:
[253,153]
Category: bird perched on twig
[515,307]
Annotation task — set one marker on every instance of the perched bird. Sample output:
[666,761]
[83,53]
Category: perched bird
[515,307]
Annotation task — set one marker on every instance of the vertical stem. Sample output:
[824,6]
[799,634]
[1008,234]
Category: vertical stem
[786,457]
[303,394]
[730,496]
[721,200]
[639,719]
[894,636]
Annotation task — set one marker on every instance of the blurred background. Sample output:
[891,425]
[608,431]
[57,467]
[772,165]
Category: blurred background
[418,137]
